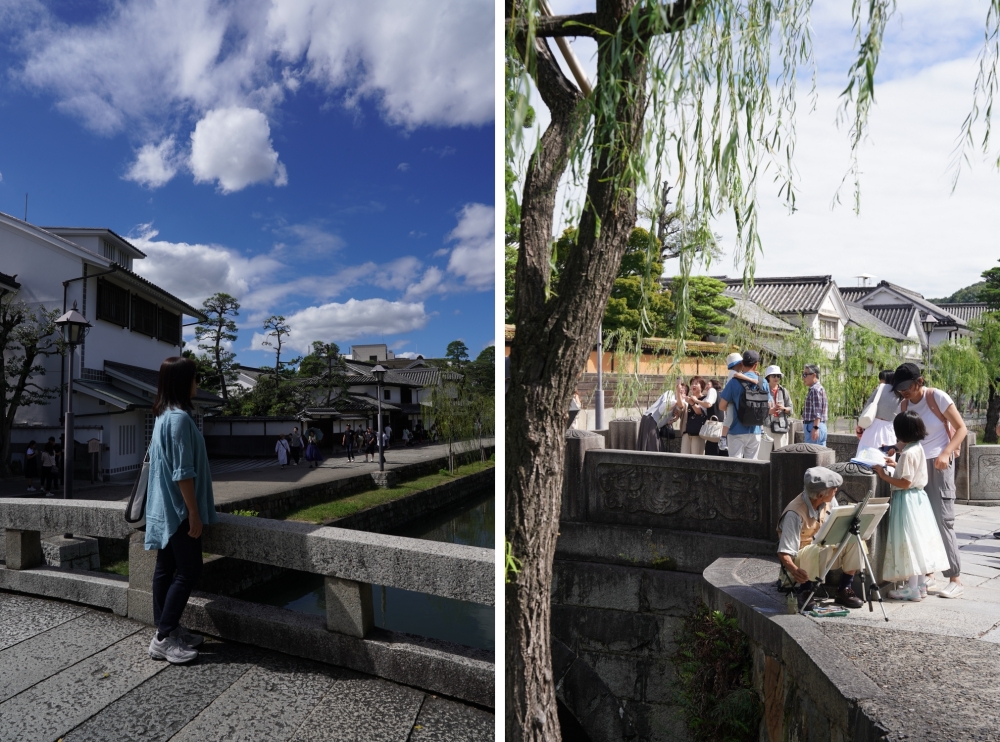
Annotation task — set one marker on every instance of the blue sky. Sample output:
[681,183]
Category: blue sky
[326,160]
[924,85]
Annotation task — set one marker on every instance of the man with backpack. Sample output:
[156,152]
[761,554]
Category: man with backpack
[751,404]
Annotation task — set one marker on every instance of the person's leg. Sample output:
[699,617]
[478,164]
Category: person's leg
[685,443]
[737,446]
[698,445]
[822,434]
[163,575]
[940,491]
[751,447]
[187,556]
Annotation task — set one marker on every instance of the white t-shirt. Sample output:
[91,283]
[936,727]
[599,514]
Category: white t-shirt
[711,396]
[937,435]
[911,464]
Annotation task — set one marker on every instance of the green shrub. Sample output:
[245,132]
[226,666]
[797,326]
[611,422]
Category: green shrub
[715,673]
[247,513]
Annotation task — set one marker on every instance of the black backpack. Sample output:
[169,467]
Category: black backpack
[754,406]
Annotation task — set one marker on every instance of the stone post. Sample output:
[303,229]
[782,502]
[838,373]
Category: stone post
[623,434]
[788,467]
[574,495]
[349,607]
[984,476]
[962,468]
[141,564]
[24,549]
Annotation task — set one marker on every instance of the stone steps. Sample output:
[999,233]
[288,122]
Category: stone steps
[78,674]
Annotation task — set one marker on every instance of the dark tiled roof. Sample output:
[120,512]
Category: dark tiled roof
[9,282]
[785,295]
[118,396]
[95,230]
[153,288]
[352,403]
[897,316]
[966,312]
[754,314]
[863,318]
[943,317]
[855,293]
[150,378]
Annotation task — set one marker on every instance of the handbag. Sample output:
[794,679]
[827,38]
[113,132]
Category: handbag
[869,412]
[135,511]
[711,430]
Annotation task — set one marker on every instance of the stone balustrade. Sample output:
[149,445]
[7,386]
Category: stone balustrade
[350,561]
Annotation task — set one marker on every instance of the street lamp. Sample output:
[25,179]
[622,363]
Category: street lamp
[74,328]
[379,373]
[928,324]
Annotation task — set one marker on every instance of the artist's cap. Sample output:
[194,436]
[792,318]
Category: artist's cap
[772,371]
[904,376]
[820,478]
[733,359]
[750,357]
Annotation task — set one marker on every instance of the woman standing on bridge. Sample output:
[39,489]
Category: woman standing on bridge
[179,502]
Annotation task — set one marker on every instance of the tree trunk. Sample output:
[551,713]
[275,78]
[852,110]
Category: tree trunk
[554,335]
[992,414]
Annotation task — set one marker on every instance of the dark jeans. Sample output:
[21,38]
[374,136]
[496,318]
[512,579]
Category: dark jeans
[350,450]
[178,568]
[50,478]
[296,453]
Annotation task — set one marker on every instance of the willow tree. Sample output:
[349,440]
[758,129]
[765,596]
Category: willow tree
[685,90]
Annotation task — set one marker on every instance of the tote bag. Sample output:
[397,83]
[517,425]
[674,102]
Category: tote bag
[869,412]
[135,511]
[711,430]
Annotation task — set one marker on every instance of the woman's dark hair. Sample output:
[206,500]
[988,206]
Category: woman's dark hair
[174,388]
[31,443]
[908,427]
[49,448]
[717,385]
[885,376]
[697,379]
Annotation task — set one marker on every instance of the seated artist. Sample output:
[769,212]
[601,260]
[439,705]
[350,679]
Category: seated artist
[804,561]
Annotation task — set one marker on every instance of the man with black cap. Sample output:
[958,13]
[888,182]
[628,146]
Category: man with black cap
[803,560]
[945,432]
[743,438]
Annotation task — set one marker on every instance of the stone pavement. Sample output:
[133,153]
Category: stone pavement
[76,674]
[937,662]
[239,479]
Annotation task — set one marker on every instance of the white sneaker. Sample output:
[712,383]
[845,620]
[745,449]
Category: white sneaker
[906,593]
[32,489]
[192,640]
[933,586]
[952,590]
[172,650]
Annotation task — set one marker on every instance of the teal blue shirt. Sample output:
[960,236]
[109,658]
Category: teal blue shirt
[176,452]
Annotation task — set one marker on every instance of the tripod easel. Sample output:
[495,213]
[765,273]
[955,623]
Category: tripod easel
[854,535]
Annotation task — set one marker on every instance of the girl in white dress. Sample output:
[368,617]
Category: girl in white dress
[283,450]
[914,547]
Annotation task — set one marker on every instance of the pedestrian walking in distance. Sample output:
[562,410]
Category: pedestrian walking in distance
[48,457]
[312,451]
[349,443]
[295,444]
[31,464]
[283,450]
[179,504]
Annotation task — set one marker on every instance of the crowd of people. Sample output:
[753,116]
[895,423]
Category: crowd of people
[289,447]
[44,463]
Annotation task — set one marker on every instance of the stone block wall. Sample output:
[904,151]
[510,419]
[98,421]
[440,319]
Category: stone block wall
[621,621]
[984,474]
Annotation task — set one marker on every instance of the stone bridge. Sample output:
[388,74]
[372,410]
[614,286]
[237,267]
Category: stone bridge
[644,537]
[66,669]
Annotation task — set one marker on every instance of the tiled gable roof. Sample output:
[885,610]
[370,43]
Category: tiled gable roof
[784,295]
[942,316]
[754,314]
[863,318]
[897,316]
[966,312]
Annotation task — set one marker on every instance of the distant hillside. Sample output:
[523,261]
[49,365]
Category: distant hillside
[968,295]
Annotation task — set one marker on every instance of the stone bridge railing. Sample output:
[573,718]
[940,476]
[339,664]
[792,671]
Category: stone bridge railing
[350,561]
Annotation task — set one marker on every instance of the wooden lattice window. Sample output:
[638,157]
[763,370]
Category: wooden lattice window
[112,303]
[143,316]
[170,327]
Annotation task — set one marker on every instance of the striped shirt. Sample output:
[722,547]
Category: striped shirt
[815,406]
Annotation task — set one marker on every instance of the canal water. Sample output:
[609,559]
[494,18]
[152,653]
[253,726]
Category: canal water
[469,522]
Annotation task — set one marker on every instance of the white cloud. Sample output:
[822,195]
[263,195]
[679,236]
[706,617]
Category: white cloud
[398,274]
[408,354]
[472,259]
[144,64]
[351,319]
[233,146]
[193,272]
[155,164]
[313,238]
[432,282]
[403,167]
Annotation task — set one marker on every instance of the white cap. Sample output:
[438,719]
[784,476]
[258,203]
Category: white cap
[772,370]
[733,358]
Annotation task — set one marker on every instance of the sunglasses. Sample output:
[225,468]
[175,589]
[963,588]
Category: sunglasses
[807,375]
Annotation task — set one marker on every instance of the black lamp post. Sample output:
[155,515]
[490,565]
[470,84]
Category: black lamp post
[74,328]
[379,373]
[928,324]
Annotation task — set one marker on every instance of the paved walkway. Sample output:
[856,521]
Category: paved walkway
[72,673]
[238,479]
[936,661]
